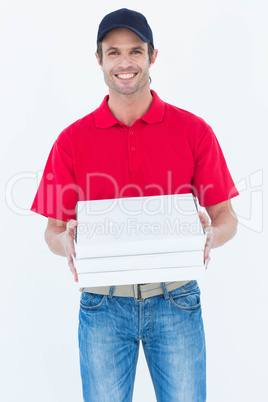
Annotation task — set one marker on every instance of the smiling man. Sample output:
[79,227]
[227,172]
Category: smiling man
[135,144]
[125,60]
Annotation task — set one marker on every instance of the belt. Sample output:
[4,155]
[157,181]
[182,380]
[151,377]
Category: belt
[139,292]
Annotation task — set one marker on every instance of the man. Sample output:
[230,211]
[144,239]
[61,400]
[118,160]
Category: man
[135,144]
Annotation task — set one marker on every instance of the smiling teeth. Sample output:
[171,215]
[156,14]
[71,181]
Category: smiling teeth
[125,76]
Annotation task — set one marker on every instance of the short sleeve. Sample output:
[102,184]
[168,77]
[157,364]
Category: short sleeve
[212,182]
[57,193]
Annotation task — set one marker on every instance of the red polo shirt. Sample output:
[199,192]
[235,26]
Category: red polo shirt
[167,151]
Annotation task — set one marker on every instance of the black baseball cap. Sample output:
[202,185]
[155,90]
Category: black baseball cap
[126,18]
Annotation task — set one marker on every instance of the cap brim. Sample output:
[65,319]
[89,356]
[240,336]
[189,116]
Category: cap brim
[123,26]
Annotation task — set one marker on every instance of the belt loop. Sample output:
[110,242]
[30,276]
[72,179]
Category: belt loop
[166,294]
[111,292]
[135,291]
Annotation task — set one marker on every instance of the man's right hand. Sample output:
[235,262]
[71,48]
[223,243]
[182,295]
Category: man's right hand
[68,244]
[59,236]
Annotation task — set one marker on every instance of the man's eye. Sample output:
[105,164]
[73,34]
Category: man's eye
[112,53]
[136,51]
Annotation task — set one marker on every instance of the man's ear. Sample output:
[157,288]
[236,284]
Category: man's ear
[97,57]
[154,56]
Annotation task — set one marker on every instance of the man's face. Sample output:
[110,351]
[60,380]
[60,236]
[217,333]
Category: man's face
[125,61]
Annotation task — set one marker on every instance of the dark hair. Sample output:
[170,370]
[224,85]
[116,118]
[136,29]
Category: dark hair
[100,54]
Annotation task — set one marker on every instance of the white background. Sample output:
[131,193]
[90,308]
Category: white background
[212,61]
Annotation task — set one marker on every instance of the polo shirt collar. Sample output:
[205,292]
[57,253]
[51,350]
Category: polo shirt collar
[103,116]
[155,113]
[105,119]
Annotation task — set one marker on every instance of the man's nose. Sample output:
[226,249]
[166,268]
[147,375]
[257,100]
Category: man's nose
[125,61]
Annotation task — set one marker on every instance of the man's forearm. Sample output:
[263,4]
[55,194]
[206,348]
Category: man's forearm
[54,238]
[224,227]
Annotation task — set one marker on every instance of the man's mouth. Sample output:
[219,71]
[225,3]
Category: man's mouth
[127,76]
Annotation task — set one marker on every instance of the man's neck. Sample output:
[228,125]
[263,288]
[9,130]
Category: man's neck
[129,108]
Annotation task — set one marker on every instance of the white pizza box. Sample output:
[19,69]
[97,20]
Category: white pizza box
[140,268]
[138,225]
[122,240]
[141,261]
[129,277]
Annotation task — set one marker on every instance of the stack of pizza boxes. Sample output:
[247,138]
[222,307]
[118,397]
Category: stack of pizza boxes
[138,240]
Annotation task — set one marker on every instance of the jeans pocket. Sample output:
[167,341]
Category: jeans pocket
[91,301]
[186,298]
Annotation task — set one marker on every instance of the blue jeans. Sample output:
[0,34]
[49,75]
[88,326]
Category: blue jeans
[170,327]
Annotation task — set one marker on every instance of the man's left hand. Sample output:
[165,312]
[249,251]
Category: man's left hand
[209,230]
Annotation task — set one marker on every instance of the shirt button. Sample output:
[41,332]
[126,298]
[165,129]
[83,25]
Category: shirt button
[131,133]
[133,148]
